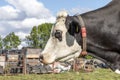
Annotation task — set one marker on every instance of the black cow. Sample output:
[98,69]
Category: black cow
[103,34]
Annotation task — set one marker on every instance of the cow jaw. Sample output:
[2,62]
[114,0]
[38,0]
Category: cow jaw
[48,58]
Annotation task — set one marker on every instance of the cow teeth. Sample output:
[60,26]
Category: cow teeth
[117,71]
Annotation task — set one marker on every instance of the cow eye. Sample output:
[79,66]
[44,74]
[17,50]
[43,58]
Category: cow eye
[58,35]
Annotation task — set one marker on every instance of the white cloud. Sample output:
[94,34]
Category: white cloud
[21,34]
[2,29]
[23,44]
[34,21]
[22,37]
[8,13]
[20,16]
[32,8]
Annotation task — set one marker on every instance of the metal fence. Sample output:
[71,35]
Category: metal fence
[18,61]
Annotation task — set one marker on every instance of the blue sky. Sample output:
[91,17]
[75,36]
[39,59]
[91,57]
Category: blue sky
[56,5]
[20,16]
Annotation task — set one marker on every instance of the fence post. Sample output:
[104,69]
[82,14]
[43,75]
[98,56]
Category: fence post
[24,60]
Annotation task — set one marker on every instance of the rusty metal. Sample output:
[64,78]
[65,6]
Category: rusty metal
[31,57]
[81,64]
[78,64]
[14,62]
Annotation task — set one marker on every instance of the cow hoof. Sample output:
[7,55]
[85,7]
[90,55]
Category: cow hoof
[117,71]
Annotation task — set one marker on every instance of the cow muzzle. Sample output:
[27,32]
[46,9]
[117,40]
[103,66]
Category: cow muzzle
[41,58]
[46,59]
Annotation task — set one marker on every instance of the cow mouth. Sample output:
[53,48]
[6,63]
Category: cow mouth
[47,59]
[45,62]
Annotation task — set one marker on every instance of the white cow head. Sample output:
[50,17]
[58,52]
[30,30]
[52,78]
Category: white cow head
[61,45]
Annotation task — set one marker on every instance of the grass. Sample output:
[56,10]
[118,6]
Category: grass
[99,74]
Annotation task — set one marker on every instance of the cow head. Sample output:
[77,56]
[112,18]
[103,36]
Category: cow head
[62,44]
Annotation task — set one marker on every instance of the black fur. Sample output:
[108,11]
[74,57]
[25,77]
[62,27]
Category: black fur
[103,32]
[58,35]
[69,40]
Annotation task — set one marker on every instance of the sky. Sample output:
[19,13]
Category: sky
[20,16]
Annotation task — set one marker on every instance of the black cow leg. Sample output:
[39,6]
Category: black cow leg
[116,66]
[111,58]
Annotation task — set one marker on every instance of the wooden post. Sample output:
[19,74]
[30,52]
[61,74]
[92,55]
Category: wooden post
[74,65]
[24,60]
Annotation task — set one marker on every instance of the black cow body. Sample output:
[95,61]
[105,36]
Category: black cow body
[103,32]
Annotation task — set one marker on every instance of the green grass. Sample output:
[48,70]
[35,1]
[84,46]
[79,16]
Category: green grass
[99,74]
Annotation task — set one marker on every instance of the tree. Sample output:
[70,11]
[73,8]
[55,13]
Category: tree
[39,35]
[44,33]
[11,41]
[33,38]
[1,43]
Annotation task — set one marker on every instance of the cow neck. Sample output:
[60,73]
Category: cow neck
[84,36]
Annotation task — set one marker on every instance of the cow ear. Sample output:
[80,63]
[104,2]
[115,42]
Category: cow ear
[72,25]
[77,28]
[76,24]
[73,28]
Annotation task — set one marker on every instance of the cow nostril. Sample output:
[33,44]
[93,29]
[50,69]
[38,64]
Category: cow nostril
[41,58]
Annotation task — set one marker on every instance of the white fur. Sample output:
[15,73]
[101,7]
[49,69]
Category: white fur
[55,49]
[62,14]
[117,71]
[71,57]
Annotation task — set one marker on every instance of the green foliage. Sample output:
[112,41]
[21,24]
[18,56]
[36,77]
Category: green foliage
[33,38]
[11,41]
[89,57]
[44,33]
[39,35]
[1,43]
